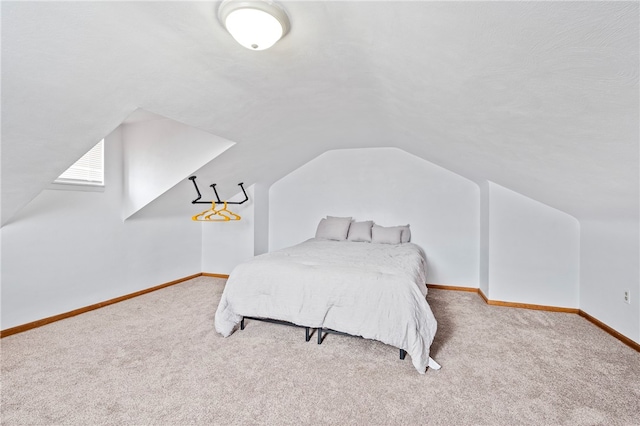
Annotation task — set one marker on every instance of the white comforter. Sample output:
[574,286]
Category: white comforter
[376,291]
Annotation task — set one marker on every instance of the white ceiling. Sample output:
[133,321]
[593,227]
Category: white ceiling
[540,97]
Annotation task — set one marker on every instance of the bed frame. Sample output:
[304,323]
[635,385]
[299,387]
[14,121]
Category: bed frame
[307,335]
[307,330]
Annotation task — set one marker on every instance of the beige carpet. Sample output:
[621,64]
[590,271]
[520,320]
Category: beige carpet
[157,360]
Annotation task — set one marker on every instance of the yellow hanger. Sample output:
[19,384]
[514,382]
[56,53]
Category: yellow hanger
[212,211]
[197,217]
[228,213]
[215,212]
[222,215]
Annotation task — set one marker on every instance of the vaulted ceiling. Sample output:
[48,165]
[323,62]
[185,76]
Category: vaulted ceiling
[540,97]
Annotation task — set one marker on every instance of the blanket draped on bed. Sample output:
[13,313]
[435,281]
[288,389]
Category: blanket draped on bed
[376,291]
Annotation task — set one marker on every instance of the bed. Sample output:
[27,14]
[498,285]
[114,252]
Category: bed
[376,291]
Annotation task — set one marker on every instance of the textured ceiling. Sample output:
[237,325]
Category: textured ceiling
[540,97]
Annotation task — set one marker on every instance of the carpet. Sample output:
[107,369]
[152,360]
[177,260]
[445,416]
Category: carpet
[157,359]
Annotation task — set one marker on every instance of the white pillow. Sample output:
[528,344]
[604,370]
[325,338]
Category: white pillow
[386,235]
[360,231]
[406,233]
[333,228]
[337,217]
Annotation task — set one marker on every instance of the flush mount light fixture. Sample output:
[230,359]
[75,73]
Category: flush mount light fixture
[255,24]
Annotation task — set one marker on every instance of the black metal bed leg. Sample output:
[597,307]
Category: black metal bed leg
[242,324]
[403,353]
[307,335]
[319,335]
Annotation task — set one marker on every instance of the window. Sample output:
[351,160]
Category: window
[88,170]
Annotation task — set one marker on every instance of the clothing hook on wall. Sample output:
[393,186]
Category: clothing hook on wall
[215,191]
[213,214]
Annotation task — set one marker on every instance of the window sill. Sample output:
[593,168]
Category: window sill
[85,187]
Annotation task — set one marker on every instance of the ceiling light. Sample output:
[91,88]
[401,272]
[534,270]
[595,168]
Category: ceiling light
[255,24]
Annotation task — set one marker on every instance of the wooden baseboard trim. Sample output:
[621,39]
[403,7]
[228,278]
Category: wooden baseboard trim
[486,299]
[624,339]
[49,320]
[525,305]
[451,287]
[534,307]
[207,274]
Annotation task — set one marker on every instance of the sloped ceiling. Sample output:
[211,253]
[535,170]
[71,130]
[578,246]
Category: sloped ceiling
[540,97]
[158,154]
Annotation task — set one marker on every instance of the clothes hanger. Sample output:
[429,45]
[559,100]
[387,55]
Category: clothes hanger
[215,212]
[212,211]
[228,214]
[197,217]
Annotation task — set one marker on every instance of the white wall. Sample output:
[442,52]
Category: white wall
[68,249]
[485,249]
[261,214]
[391,187]
[226,244]
[534,251]
[610,263]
